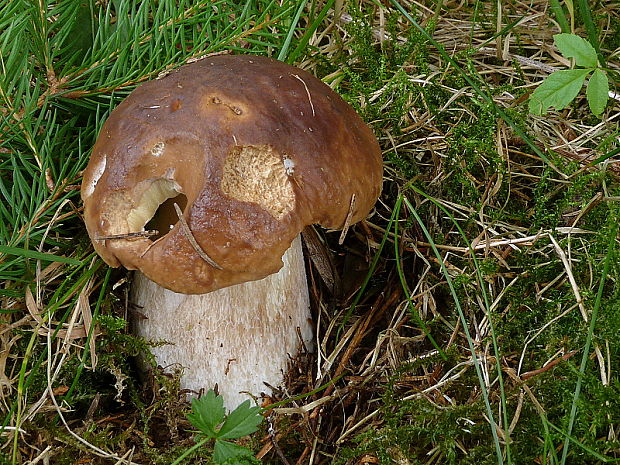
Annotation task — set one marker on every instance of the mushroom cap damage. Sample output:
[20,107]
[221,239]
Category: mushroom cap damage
[249,148]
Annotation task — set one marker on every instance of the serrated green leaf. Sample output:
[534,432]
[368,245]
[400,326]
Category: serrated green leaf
[242,421]
[229,453]
[207,413]
[558,90]
[598,92]
[573,46]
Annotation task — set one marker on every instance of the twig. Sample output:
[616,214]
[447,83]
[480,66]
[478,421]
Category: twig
[571,278]
[131,235]
[43,455]
[192,239]
[307,92]
[6,429]
[548,366]
[347,221]
[272,436]
[152,244]
[304,409]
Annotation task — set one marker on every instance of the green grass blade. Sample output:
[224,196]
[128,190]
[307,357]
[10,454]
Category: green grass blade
[586,350]
[282,56]
[560,15]
[586,16]
[405,287]
[485,394]
[46,257]
[303,42]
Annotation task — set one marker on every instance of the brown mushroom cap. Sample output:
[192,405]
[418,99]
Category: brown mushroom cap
[251,149]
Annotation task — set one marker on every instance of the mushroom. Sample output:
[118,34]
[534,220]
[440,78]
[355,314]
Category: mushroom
[203,180]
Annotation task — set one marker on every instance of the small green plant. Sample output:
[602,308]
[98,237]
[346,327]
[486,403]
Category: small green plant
[209,416]
[561,87]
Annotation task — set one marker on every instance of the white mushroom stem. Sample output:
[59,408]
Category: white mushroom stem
[237,338]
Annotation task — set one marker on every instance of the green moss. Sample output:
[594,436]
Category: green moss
[412,428]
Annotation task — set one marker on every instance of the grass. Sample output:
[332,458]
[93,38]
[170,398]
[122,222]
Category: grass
[480,315]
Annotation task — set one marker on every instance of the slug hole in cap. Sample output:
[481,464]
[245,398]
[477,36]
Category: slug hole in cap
[165,216]
[155,211]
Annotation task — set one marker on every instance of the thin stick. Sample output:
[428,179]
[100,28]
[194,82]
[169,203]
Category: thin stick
[151,245]
[131,235]
[307,92]
[347,221]
[192,239]
[548,366]
[274,440]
